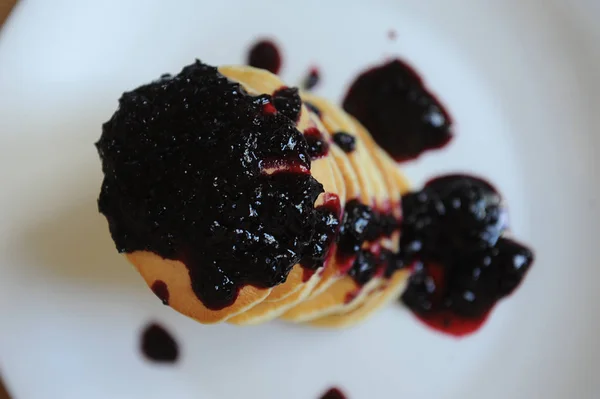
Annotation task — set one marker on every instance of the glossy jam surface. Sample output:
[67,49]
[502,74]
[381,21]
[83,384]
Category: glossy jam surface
[333,393]
[453,235]
[288,102]
[265,54]
[326,229]
[403,117]
[158,345]
[199,141]
[345,141]
[161,290]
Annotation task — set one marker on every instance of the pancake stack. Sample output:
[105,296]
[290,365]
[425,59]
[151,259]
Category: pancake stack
[345,267]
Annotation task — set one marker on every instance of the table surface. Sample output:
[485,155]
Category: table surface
[5,7]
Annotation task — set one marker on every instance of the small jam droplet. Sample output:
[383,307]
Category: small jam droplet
[158,345]
[333,393]
[265,55]
[312,79]
[161,290]
[345,141]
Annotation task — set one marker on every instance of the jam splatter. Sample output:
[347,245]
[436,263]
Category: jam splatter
[453,234]
[171,149]
[265,54]
[312,79]
[333,393]
[392,34]
[403,117]
[161,290]
[345,141]
[158,345]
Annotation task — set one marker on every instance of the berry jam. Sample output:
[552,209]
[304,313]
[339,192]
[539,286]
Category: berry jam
[288,102]
[158,345]
[326,230]
[318,147]
[265,55]
[312,79]
[403,117]
[345,141]
[333,393]
[199,141]
[161,290]
[453,234]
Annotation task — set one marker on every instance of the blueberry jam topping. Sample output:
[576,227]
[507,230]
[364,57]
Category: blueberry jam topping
[333,393]
[312,79]
[161,290]
[318,146]
[403,117]
[288,102]
[452,234]
[326,229]
[158,345]
[198,141]
[265,55]
[345,141]
[362,224]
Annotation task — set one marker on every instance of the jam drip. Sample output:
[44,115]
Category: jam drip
[198,141]
[158,345]
[403,117]
[161,290]
[265,55]
[326,230]
[453,235]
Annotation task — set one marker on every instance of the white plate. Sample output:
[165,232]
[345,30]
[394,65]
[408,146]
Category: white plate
[521,79]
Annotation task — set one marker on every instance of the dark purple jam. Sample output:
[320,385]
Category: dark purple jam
[333,393]
[403,117]
[318,146]
[452,234]
[198,141]
[265,55]
[158,345]
[345,141]
[288,102]
[362,224]
[161,290]
[312,79]
[326,230]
